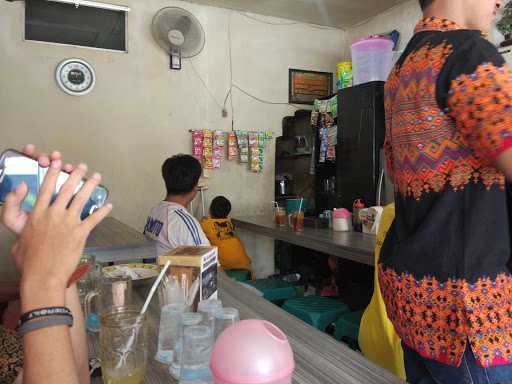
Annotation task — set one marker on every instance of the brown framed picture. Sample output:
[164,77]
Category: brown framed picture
[306,86]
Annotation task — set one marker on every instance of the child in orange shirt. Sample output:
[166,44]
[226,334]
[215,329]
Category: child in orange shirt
[221,232]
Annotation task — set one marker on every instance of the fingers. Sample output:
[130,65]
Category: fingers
[43,159]
[29,150]
[93,220]
[83,195]
[68,168]
[14,199]
[68,189]
[48,187]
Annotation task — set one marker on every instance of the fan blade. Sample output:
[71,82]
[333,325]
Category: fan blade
[183,24]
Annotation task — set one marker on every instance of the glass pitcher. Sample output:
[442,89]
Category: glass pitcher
[112,292]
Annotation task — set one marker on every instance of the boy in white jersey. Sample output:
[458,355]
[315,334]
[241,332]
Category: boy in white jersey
[169,223]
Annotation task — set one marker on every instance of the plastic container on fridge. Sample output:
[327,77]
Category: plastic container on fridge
[372,59]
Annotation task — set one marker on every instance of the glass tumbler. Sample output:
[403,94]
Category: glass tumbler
[195,358]
[123,346]
[208,308]
[224,317]
[171,327]
[189,319]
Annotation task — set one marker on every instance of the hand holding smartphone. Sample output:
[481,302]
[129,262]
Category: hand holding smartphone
[15,168]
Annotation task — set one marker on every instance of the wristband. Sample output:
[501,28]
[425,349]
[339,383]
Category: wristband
[44,322]
[42,312]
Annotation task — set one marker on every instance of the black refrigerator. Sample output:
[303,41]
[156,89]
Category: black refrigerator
[359,154]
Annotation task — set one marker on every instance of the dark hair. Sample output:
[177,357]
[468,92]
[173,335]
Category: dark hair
[181,174]
[220,208]
[424,4]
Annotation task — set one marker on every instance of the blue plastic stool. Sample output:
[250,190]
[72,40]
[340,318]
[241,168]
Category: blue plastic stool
[347,328]
[238,274]
[274,290]
[317,311]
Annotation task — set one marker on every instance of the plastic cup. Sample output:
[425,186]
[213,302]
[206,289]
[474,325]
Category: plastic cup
[195,359]
[225,317]
[298,221]
[280,214]
[171,327]
[208,308]
[189,319]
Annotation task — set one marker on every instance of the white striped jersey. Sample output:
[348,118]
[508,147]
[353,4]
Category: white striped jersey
[172,226]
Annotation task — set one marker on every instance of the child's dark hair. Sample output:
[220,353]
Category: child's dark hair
[424,4]
[220,208]
[181,174]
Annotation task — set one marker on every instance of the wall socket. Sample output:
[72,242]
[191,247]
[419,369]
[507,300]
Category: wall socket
[224,112]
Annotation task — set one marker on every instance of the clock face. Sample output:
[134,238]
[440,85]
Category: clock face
[75,77]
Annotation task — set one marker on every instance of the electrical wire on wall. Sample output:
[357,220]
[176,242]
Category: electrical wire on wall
[232,85]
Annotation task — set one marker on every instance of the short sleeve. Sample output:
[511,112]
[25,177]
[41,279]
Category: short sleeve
[475,90]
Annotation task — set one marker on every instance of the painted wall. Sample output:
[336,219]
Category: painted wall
[402,17]
[140,112]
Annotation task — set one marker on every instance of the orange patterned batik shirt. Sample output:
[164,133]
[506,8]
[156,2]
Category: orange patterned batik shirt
[443,270]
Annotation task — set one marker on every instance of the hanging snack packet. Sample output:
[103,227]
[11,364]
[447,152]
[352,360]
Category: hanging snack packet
[232,148]
[208,149]
[218,148]
[262,142]
[255,159]
[197,144]
[243,146]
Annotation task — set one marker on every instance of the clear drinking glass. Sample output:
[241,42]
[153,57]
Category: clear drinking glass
[113,292]
[195,358]
[123,346]
[189,319]
[224,317]
[171,328]
[208,309]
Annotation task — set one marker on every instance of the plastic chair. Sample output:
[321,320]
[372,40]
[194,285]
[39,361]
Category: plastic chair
[274,290]
[238,274]
[317,311]
[347,328]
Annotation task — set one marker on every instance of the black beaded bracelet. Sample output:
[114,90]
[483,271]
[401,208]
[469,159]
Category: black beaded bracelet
[43,312]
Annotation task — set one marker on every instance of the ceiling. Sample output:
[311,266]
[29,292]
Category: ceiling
[334,13]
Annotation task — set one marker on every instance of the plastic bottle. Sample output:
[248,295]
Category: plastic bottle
[356,220]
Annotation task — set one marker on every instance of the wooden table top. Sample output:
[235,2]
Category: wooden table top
[319,358]
[113,240]
[353,246]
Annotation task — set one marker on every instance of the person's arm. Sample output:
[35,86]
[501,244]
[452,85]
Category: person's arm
[48,354]
[480,101]
[48,251]
[78,335]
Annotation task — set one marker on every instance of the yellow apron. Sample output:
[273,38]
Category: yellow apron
[377,337]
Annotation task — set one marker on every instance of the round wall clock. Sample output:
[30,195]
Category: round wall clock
[75,77]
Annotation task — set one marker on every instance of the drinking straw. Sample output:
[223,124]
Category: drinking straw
[300,204]
[154,287]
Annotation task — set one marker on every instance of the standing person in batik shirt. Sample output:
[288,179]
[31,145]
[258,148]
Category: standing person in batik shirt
[444,269]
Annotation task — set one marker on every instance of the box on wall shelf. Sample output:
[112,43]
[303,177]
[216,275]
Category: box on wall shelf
[197,264]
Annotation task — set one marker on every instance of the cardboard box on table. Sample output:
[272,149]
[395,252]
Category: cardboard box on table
[199,262]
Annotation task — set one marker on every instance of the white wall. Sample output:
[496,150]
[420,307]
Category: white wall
[402,18]
[140,111]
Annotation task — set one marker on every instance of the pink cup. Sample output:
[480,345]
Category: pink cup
[252,352]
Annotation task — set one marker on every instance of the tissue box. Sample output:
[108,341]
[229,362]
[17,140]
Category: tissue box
[197,264]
